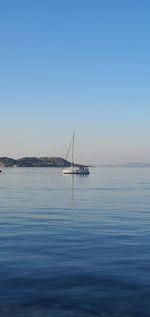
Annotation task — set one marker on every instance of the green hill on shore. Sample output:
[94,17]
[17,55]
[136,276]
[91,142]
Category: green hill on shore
[33,162]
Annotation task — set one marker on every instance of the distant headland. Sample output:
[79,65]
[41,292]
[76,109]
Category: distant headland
[34,162]
[57,162]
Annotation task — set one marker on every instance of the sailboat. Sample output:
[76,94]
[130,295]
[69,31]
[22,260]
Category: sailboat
[81,169]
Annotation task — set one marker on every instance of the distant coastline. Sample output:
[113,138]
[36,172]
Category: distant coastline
[33,162]
[129,165]
[58,162]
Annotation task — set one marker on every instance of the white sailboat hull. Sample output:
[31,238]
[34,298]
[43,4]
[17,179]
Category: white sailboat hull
[76,170]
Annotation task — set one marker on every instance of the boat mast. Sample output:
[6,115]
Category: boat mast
[73,150]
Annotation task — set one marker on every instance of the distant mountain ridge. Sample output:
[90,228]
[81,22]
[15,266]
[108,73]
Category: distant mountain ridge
[130,164]
[33,162]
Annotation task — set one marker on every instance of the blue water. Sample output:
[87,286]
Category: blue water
[75,246]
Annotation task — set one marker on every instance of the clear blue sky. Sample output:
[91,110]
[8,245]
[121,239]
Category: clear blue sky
[81,65]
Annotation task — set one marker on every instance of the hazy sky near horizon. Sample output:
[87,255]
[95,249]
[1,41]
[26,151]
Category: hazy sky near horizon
[75,65]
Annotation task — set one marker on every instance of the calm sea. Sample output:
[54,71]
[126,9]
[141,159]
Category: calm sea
[75,246]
